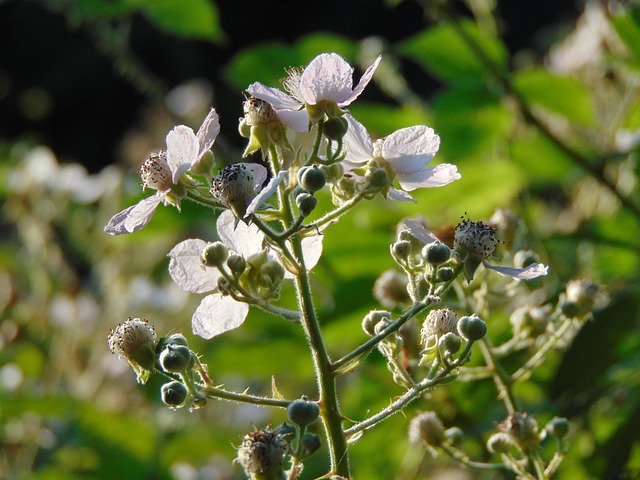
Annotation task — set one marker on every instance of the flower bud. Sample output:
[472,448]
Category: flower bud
[173,393]
[303,412]
[426,430]
[312,178]
[499,443]
[214,254]
[450,343]
[334,172]
[176,359]
[236,263]
[557,427]
[205,165]
[523,430]
[580,297]
[309,444]
[372,319]
[271,274]
[390,289]
[261,455]
[335,128]
[286,431]
[472,328]
[382,325]
[436,253]
[377,178]
[445,274]
[306,203]
[401,250]
[177,339]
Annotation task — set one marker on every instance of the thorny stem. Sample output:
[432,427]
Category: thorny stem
[597,171]
[334,214]
[216,392]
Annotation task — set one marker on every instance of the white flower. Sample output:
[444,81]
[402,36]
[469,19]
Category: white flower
[406,151]
[327,78]
[162,171]
[217,313]
[484,245]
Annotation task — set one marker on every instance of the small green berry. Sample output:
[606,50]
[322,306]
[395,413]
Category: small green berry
[436,253]
[312,178]
[303,412]
[176,358]
[306,203]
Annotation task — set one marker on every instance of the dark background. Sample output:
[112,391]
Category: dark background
[88,105]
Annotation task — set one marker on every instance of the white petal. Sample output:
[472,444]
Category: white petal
[259,173]
[400,196]
[312,250]
[297,120]
[241,238]
[432,177]
[357,142]
[135,217]
[416,229]
[207,133]
[266,192]
[532,271]
[187,270]
[182,151]
[327,77]
[364,81]
[217,314]
[409,149]
[276,98]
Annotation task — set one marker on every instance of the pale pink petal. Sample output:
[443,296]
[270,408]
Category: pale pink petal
[182,151]
[217,314]
[266,192]
[327,77]
[135,217]
[312,250]
[418,230]
[276,98]
[409,149]
[244,239]
[298,120]
[358,143]
[207,133]
[532,271]
[187,270]
[259,173]
[437,176]
[400,196]
[364,81]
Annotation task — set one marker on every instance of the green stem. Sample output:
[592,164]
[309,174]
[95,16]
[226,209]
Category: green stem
[202,200]
[334,214]
[500,377]
[462,458]
[215,392]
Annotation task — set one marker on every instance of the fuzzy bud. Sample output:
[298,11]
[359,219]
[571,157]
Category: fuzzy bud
[271,274]
[426,430]
[580,297]
[450,343]
[214,254]
[236,263]
[261,455]
[334,172]
[177,339]
[377,178]
[234,186]
[401,250]
[309,444]
[372,319]
[174,393]
[445,274]
[436,253]
[390,289]
[205,165]
[335,128]
[306,203]
[472,328]
[303,412]
[557,428]
[312,178]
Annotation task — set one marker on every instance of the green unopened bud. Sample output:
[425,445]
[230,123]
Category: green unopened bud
[499,443]
[306,203]
[177,339]
[244,129]
[309,444]
[472,328]
[205,165]
[436,253]
[450,343]
[445,274]
[377,178]
[312,178]
[401,250]
[335,128]
[271,274]
[214,254]
[237,264]
[303,412]
[176,359]
[286,431]
[426,430]
[372,319]
[334,172]
[558,428]
[174,393]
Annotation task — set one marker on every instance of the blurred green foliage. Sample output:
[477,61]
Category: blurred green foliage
[69,409]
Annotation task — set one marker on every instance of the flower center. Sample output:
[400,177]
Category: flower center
[155,172]
[476,238]
[292,83]
[233,183]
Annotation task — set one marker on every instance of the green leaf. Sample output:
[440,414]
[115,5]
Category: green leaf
[627,26]
[541,160]
[443,52]
[266,63]
[563,95]
[382,120]
[197,19]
